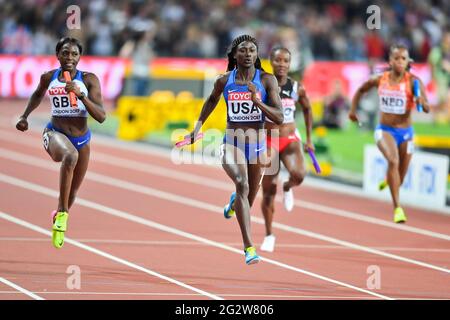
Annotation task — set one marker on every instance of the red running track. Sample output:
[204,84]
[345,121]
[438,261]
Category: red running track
[146,228]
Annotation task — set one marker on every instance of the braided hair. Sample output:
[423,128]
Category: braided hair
[232,63]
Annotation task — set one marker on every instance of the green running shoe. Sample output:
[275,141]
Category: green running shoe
[383,184]
[58,229]
[399,215]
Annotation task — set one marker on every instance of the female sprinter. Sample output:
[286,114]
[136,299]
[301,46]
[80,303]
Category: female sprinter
[66,137]
[251,95]
[284,142]
[394,134]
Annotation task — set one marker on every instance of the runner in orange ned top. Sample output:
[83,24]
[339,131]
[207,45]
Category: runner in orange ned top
[394,134]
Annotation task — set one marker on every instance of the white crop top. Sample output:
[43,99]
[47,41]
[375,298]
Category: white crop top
[59,98]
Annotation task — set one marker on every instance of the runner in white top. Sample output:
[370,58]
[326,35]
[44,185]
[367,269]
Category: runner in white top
[66,137]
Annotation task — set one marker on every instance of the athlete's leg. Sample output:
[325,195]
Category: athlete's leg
[79,172]
[234,163]
[388,148]
[269,188]
[255,175]
[405,152]
[61,150]
[293,160]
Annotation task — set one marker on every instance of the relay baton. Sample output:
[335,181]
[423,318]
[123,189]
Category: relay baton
[416,90]
[187,140]
[314,161]
[73,99]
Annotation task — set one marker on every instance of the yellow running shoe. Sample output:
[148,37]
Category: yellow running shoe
[58,229]
[399,215]
[383,184]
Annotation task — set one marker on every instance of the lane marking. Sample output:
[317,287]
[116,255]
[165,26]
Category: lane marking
[122,184]
[127,216]
[19,288]
[217,184]
[80,245]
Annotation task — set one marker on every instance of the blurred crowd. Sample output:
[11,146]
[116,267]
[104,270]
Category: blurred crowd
[319,30]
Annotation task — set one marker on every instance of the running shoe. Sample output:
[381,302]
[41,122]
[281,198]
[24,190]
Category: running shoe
[268,243]
[383,184]
[250,256]
[227,211]
[399,215]
[288,200]
[58,229]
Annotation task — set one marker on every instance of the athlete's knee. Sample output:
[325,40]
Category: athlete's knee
[393,162]
[70,159]
[242,186]
[297,176]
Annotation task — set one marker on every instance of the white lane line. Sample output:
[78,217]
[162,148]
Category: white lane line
[231,295]
[122,184]
[226,295]
[227,186]
[128,216]
[19,288]
[80,245]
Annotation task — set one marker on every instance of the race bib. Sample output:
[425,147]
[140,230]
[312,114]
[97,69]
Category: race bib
[392,101]
[288,110]
[241,107]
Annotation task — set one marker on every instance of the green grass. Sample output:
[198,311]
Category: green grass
[347,146]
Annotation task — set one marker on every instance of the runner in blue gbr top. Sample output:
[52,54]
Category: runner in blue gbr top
[251,96]
[66,137]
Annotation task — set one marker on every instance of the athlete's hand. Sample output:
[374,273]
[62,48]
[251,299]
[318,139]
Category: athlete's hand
[72,87]
[353,117]
[419,100]
[22,124]
[252,88]
[308,146]
[190,138]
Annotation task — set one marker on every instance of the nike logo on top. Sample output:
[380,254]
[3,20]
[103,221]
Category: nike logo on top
[232,90]
[81,142]
[257,150]
[286,92]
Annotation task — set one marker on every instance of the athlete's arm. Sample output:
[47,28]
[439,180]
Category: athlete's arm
[307,115]
[210,104]
[35,100]
[423,100]
[94,101]
[274,111]
[366,86]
